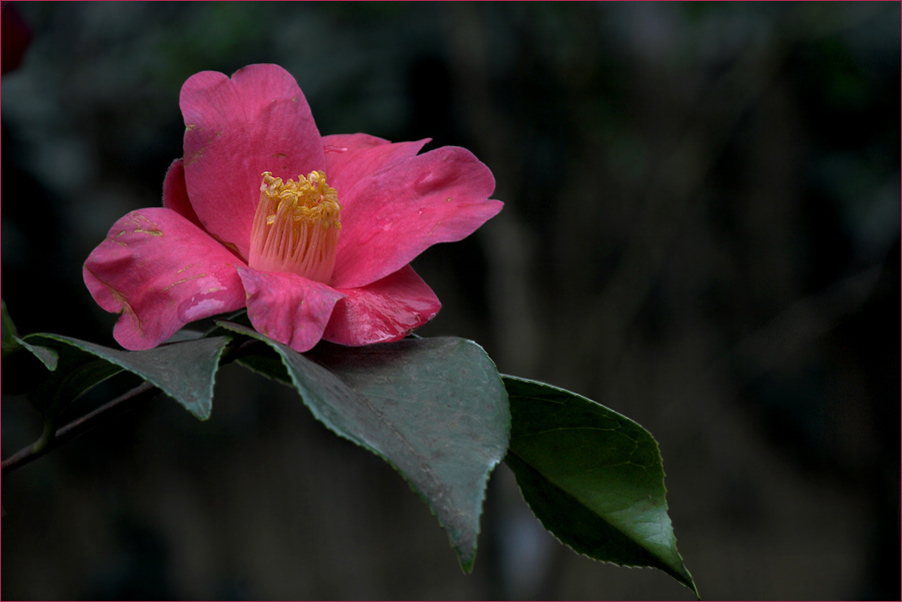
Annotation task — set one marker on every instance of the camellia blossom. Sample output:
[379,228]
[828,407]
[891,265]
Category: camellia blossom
[313,234]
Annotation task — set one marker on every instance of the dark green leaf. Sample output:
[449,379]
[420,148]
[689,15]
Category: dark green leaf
[23,368]
[593,477]
[434,408]
[66,373]
[185,371]
[8,342]
[266,361]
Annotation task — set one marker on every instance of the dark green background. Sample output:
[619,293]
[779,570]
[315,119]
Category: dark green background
[701,231]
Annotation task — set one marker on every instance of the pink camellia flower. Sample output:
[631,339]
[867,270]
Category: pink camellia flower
[314,235]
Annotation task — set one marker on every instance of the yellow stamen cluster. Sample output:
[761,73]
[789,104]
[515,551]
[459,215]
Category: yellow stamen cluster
[296,227]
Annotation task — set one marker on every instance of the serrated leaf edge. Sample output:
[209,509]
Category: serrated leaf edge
[687,580]
[202,414]
[466,560]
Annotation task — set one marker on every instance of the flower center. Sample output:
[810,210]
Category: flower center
[296,227]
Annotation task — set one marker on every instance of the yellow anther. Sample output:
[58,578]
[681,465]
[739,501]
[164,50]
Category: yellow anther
[296,227]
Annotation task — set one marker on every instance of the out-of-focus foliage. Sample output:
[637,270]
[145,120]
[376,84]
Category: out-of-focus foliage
[701,229]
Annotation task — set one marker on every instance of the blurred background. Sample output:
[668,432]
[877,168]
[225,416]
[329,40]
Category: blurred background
[701,231]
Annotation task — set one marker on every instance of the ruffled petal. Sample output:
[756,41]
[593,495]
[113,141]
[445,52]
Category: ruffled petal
[393,215]
[175,193]
[288,308]
[351,157]
[386,310]
[161,271]
[235,130]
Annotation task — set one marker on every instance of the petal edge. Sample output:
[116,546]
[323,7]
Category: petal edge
[288,308]
[393,215]
[235,129]
[161,272]
[384,311]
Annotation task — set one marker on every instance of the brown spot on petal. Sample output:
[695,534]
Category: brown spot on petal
[195,156]
[434,228]
[183,280]
[169,286]
[126,306]
[152,232]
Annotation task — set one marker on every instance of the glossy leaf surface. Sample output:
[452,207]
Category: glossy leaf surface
[593,477]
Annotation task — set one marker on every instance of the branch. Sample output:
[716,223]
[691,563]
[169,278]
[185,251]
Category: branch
[143,392]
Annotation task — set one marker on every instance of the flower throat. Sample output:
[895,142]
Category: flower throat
[296,227]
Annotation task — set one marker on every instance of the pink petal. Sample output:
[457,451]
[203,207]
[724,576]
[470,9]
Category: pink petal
[393,215]
[175,193]
[386,310]
[161,271]
[351,157]
[235,130]
[288,308]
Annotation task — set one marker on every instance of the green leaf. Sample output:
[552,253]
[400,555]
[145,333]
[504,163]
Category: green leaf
[266,361]
[185,371]
[65,373]
[23,369]
[435,409]
[8,343]
[593,477]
